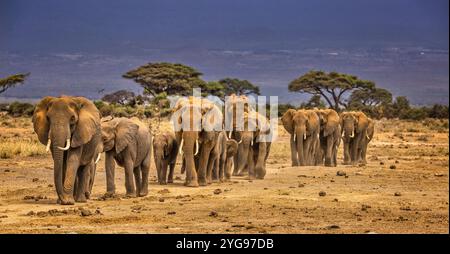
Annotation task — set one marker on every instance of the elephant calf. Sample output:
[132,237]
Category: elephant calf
[223,154]
[165,150]
[127,142]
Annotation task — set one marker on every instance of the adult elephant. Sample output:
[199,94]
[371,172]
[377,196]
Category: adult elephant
[235,107]
[354,128]
[255,142]
[70,127]
[304,127]
[330,137]
[197,125]
[128,143]
[365,142]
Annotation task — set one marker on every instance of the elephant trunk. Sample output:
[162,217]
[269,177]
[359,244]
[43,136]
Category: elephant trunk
[243,150]
[301,132]
[58,138]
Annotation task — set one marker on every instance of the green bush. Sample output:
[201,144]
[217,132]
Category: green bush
[17,109]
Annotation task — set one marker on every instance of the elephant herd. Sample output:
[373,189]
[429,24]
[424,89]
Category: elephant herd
[213,144]
[316,135]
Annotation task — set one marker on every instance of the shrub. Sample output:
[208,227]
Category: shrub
[20,109]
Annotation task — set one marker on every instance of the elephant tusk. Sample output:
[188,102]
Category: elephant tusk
[251,143]
[67,145]
[304,136]
[229,135]
[180,151]
[98,158]
[49,142]
[295,137]
[240,141]
[353,134]
[196,147]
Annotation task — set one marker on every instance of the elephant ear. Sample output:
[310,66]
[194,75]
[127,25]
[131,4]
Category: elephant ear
[287,120]
[88,122]
[126,132]
[40,121]
[362,121]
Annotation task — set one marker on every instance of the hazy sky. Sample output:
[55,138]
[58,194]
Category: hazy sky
[107,24]
[124,28]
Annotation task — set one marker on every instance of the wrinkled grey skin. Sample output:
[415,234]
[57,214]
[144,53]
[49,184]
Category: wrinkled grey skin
[127,142]
[354,128]
[330,137]
[77,120]
[201,139]
[223,153]
[252,152]
[165,151]
[304,127]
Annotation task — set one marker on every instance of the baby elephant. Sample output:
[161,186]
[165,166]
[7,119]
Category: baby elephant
[223,154]
[127,142]
[165,150]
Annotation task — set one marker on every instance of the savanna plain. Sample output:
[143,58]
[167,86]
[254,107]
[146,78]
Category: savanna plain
[404,188]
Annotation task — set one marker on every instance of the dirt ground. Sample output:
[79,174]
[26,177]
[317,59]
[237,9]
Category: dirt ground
[403,189]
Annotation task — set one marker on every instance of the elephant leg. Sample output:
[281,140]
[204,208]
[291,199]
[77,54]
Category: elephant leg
[355,148]
[364,151]
[137,179]
[235,163]
[328,154]
[307,151]
[145,170]
[294,157]
[261,156]
[110,168]
[82,183]
[163,172]
[72,165]
[346,152]
[129,181]
[251,164]
[92,171]
[221,166]
[227,169]
[171,169]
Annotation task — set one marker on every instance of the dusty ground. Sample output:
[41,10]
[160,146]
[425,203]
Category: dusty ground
[403,189]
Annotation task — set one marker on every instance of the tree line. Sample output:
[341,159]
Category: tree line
[339,91]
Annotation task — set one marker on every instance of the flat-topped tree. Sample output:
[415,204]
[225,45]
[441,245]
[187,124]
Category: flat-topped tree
[12,81]
[370,97]
[239,87]
[169,78]
[332,86]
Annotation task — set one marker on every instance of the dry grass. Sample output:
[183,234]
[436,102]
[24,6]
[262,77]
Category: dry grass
[11,149]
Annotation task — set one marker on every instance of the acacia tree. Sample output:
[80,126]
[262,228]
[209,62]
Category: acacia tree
[169,78]
[371,97]
[332,86]
[238,87]
[12,81]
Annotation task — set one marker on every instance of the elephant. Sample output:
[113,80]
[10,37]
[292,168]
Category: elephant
[354,129]
[197,123]
[165,151]
[254,145]
[224,152]
[365,141]
[330,137]
[235,107]
[127,142]
[304,127]
[70,128]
